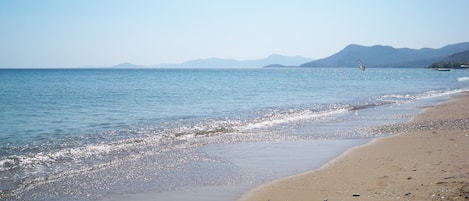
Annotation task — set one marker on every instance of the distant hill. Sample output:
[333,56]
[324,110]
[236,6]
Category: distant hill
[459,57]
[379,56]
[231,63]
[127,66]
[452,61]
[279,66]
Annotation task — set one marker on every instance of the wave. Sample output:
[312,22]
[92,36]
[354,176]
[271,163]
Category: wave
[463,79]
[439,93]
[408,97]
[293,116]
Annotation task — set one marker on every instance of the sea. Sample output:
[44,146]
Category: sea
[194,134]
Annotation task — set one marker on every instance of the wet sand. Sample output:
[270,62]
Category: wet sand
[428,160]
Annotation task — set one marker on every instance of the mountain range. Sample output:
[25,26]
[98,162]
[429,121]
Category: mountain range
[228,63]
[379,56]
[231,63]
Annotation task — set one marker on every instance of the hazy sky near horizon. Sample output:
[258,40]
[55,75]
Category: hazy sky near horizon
[57,33]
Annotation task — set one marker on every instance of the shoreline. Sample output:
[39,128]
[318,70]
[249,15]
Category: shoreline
[427,160]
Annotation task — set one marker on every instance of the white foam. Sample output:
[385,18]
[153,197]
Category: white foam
[435,94]
[463,79]
[290,117]
[402,98]
[396,98]
[42,158]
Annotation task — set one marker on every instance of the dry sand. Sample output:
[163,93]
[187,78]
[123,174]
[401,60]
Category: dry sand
[429,160]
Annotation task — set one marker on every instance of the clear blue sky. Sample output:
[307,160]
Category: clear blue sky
[62,33]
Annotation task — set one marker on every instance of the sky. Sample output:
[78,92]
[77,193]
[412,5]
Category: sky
[61,34]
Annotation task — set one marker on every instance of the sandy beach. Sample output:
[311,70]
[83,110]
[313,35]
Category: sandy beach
[428,160]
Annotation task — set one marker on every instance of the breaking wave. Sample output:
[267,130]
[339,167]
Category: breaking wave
[463,79]
[408,97]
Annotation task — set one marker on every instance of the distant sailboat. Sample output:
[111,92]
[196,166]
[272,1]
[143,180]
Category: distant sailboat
[361,66]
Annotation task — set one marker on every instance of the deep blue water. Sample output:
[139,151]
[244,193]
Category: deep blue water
[65,123]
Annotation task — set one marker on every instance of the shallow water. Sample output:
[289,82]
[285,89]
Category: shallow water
[252,164]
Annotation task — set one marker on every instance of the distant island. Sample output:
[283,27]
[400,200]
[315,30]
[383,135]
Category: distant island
[127,66]
[279,66]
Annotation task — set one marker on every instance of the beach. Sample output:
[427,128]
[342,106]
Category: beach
[427,160]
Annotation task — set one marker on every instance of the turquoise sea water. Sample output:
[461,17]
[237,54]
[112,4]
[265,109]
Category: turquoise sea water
[86,134]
